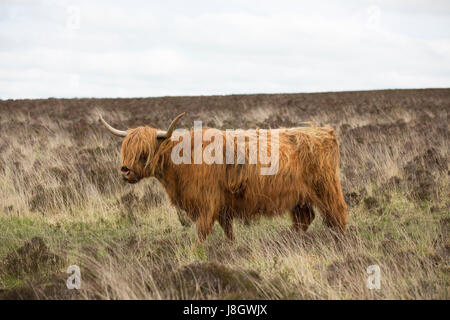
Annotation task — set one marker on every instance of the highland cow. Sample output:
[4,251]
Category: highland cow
[307,175]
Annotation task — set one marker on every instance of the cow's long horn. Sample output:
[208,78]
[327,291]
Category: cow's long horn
[168,133]
[114,131]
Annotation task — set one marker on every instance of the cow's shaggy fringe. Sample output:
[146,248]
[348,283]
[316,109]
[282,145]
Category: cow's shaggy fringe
[307,177]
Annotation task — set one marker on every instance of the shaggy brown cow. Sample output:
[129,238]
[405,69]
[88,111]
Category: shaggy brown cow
[307,176]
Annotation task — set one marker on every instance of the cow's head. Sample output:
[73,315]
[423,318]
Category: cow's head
[140,146]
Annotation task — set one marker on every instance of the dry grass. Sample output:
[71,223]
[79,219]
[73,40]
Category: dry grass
[62,203]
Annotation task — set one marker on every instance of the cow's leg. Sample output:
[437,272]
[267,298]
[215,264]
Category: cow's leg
[204,225]
[226,222]
[183,218]
[332,205]
[302,215]
[336,219]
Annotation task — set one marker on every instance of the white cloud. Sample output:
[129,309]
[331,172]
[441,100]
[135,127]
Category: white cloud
[141,48]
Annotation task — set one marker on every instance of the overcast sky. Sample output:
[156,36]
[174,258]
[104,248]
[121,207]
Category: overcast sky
[158,48]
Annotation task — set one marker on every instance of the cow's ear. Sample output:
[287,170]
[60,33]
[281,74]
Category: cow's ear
[167,134]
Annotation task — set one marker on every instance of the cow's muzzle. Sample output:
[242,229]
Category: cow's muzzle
[129,175]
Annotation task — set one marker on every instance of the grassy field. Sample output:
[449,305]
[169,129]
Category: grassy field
[62,202]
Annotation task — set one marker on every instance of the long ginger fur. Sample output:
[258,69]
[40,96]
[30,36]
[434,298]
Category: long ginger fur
[307,178]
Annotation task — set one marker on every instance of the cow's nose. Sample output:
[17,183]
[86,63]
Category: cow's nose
[125,173]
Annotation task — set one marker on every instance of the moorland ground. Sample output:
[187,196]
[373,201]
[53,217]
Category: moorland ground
[62,202]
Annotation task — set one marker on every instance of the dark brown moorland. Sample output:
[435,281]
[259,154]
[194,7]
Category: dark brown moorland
[62,202]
